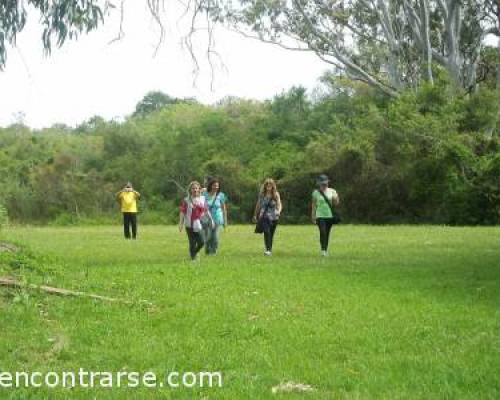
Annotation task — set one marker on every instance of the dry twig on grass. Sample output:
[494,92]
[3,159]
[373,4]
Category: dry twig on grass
[14,283]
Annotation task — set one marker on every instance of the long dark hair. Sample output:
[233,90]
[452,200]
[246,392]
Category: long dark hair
[211,183]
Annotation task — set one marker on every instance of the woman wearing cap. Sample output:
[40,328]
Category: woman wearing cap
[216,201]
[324,199]
[269,208]
[193,209]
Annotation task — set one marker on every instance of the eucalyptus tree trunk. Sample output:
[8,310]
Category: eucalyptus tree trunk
[495,122]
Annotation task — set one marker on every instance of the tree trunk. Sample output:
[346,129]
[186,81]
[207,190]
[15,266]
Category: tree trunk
[493,128]
[426,36]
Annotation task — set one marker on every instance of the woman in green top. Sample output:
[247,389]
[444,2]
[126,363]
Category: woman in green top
[323,201]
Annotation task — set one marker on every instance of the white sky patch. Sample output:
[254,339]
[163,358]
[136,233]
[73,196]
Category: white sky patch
[90,77]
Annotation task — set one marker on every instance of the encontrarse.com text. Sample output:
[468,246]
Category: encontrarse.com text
[91,379]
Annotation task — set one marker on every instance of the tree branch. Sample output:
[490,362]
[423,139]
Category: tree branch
[121,33]
[261,39]
[342,59]
[154,8]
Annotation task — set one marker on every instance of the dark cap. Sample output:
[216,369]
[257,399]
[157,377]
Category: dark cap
[322,179]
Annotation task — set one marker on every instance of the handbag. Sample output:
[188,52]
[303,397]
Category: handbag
[206,222]
[335,215]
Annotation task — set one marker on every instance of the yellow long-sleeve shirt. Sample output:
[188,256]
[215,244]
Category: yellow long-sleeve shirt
[128,200]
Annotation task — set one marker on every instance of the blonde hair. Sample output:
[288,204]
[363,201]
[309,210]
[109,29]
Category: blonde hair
[190,187]
[274,191]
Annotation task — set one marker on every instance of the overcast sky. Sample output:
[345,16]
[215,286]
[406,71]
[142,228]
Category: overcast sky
[90,77]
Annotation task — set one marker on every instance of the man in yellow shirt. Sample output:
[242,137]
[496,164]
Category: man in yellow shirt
[127,197]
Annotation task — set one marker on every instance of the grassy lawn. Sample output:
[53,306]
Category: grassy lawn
[393,313]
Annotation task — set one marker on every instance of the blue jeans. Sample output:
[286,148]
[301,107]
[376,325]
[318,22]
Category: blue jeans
[212,239]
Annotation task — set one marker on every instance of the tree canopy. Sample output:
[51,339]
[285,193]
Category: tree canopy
[389,44]
[155,101]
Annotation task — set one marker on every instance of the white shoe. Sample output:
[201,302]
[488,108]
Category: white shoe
[324,253]
[267,253]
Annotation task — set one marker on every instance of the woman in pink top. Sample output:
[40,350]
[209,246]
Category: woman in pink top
[193,213]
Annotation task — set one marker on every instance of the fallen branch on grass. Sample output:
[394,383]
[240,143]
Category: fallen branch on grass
[14,283]
[8,247]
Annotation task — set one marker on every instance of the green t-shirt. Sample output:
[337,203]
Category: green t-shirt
[322,207]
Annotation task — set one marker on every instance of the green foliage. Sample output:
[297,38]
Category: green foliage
[4,218]
[60,19]
[481,111]
[427,156]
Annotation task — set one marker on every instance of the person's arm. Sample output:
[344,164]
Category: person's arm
[224,210]
[335,198]
[182,215]
[313,210]
[279,205]
[256,211]
[181,221]
[137,194]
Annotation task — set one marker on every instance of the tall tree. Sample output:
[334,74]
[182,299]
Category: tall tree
[389,44]
[154,101]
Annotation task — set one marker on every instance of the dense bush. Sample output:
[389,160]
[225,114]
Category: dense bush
[428,156]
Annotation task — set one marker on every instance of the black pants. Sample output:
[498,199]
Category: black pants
[129,220]
[325,226]
[196,242]
[269,229]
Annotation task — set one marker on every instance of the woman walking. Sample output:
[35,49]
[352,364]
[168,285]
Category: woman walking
[267,212]
[193,211]
[324,199]
[216,201]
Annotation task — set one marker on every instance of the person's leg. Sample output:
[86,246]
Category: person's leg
[322,233]
[192,243]
[126,225]
[206,237]
[328,228]
[133,221]
[269,229]
[215,239]
[272,229]
[267,237]
[199,242]
[209,234]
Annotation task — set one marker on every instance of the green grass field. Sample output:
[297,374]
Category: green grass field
[393,313]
